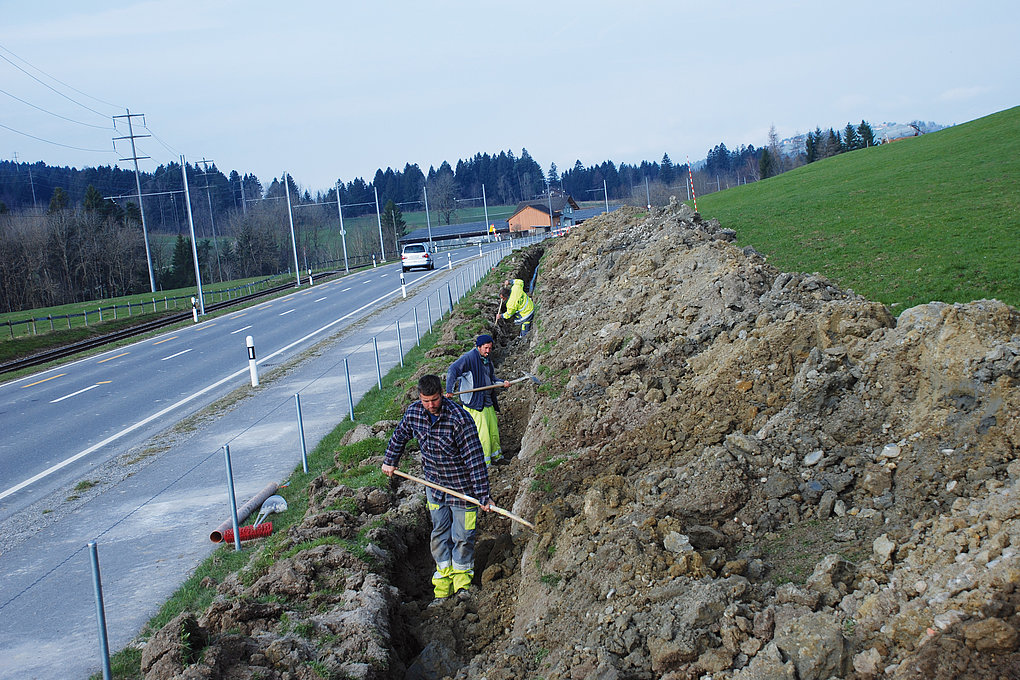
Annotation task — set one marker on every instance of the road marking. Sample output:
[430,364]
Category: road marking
[172,337]
[240,329]
[122,354]
[238,315]
[74,394]
[345,290]
[155,416]
[209,324]
[287,312]
[176,355]
[43,380]
[365,283]
[321,299]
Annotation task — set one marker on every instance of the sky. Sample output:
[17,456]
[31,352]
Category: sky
[336,90]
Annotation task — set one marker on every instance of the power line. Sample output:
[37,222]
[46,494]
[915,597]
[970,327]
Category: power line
[66,146]
[99,127]
[156,137]
[50,87]
[102,101]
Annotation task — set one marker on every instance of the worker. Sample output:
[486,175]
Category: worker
[517,303]
[473,370]
[451,456]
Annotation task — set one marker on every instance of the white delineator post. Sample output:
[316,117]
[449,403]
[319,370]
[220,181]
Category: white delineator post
[194,310]
[252,368]
[403,286]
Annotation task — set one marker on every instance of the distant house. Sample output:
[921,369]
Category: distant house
[531,215]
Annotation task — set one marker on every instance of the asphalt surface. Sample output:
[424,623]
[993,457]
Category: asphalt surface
[125,450]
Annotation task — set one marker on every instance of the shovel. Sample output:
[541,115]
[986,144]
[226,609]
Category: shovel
[526,376]
[470,499]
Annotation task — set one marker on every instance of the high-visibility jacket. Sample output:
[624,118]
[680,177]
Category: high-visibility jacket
[518,302]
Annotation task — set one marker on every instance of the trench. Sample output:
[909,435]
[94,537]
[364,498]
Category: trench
[463,629]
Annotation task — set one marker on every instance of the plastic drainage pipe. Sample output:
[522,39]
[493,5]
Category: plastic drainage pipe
[243,512]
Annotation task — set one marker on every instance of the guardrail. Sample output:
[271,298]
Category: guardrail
[143,307]
[155,324]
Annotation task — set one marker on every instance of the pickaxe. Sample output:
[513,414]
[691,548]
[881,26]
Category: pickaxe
[526,376]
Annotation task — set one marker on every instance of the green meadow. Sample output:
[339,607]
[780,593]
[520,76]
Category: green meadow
[928,218]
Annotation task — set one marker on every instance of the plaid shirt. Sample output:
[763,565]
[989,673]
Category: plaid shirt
[451,453]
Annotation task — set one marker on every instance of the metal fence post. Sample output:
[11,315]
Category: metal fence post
[428,310]
[233,500]
[378,368]
[449,296]
[417,335]
[301,432]
[97,586]
[350,394]
[400,346]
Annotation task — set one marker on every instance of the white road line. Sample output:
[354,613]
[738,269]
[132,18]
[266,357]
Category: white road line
[345,290]
[176,355]
[322,298]
[365,283]
[155,416]
[74,394]
[287,312]
[240,329]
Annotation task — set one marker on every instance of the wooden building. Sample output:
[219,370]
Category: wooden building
[531,215]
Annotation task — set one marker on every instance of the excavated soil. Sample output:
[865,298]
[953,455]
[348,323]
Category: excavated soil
[734,472]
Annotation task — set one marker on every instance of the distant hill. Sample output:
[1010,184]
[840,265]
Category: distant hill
[884,132]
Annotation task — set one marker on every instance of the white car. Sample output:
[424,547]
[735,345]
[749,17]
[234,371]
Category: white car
[416,255]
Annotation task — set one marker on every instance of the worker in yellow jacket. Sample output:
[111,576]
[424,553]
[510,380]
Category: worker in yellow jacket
[518,305]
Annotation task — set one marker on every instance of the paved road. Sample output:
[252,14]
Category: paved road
[152,527]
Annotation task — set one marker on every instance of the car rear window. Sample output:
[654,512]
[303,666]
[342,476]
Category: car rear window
[414,249]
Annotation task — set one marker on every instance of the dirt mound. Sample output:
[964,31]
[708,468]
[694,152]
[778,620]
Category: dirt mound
[735,473]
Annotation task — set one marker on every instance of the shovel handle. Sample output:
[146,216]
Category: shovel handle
[489,387]
[470,499]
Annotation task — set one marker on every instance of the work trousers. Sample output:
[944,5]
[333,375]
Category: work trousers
[488,432]
[452,545]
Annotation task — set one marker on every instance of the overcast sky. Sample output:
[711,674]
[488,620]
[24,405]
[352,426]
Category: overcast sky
[328,90]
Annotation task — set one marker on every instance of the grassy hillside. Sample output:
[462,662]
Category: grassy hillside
[926,218]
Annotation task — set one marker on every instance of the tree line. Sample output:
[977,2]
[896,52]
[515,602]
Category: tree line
[69,235]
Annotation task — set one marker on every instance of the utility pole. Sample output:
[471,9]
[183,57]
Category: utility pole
[30,181]
[138,183]
[293,241]
[244,203]
[343,234]
[212,222]
[194,245]
[378,217]
[428,220]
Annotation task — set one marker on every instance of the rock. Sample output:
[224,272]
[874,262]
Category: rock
[826,504]
[779,485]
[990,636]
[814,643]
[813,457]
[883,548]
[676,542]
[359,433]
[868,663]
[768,664]
[789,593]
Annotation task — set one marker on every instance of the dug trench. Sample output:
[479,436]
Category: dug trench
[734,472]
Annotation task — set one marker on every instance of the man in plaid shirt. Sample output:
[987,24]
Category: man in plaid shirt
[451,456]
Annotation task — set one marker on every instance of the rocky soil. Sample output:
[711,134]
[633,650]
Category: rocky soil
[735,472]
